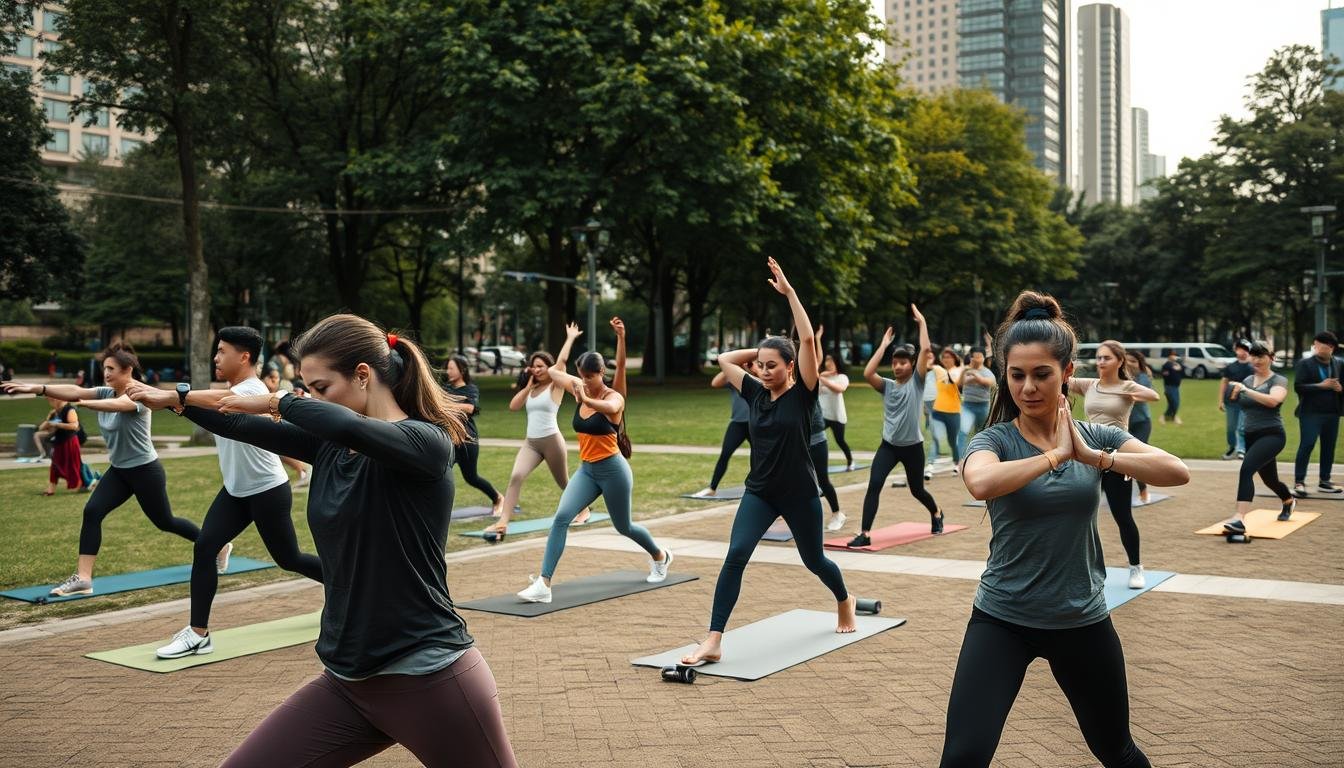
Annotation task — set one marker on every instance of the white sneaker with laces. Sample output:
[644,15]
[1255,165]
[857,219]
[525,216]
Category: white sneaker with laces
[538,592]
[705,493]
[837,522]
[74,585]
[1136,580]
[186,643]
[658,568]
[222,559]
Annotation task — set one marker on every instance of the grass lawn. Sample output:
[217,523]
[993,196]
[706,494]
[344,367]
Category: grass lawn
[42,534]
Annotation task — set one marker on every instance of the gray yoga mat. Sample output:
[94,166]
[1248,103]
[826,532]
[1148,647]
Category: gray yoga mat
[466,513]
[571,594]
[777,643]
[778,531]
[840,469]
[1317,496]
[1153,498]
[732,493]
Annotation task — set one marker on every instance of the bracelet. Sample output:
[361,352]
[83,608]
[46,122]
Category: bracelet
[274,406]
[1050,457]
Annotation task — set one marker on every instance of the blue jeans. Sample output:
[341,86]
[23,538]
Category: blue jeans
[611,479]
[1236,427]
[973,418]
[1316,426]
[937,431]
[951,424]
[1173,401]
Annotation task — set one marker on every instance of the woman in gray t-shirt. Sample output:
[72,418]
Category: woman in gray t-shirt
[1042,592]
[1260,396]
[135,469]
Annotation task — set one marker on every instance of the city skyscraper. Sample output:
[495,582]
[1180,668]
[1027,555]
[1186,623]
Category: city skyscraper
[1018,49]
[929,28]
[1146,165]
[1105,122]
[1332,36]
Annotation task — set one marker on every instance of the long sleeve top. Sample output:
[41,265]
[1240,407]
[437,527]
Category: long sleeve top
[378,508]
[1312,397]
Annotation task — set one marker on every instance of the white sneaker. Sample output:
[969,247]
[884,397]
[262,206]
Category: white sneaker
[537,593]
[186,643]
[704,493]
[837,522]
[74,585]
[928,475]
[222,559]
[1136,580]
[658,569]
[851,466]
[304,477]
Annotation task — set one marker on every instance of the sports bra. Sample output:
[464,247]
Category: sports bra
[597,436]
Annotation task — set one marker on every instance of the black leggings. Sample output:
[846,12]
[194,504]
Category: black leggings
[838,427]
[149,485]
[467,455]
[1141,431]
[1087,662]
[821,463]
[754,516]
[885,460]
[1262,454]
[733,437]
[1120,498]
[229,516]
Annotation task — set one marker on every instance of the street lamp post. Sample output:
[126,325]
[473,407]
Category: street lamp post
[583,234]
[1319,216]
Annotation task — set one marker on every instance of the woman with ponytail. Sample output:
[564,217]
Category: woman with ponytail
[603,472]
[1042,594]
[400,666]
[135,469]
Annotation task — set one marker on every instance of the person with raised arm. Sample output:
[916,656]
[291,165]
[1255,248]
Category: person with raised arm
[783,480]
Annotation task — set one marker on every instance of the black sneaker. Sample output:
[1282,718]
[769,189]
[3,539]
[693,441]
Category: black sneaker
[1287,512]
[861,540]
[1234,526]
[1325,486]
[938,523]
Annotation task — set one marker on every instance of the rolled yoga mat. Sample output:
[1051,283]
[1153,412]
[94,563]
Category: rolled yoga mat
[893,535]
[571,594]
[1117,585]
[231,643]
[538,524]
[765,647]
[731,493]
[1264,524]
[129,582]
[1153,498]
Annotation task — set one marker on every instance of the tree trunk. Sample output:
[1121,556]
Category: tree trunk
[202,369]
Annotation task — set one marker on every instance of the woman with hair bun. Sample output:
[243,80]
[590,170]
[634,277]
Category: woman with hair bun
[1042,594]
[783,478]
[135,469]
[603,472]
[400,666]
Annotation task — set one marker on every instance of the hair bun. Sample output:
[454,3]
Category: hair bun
[1031,305]
[1037,313]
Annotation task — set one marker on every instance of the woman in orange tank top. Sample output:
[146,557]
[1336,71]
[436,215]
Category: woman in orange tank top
[603,472]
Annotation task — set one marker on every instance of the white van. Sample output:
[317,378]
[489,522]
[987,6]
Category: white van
[1201,360]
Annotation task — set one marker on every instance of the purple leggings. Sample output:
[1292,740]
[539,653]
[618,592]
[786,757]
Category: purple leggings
[450,717]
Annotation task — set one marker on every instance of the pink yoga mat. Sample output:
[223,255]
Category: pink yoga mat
[892,535]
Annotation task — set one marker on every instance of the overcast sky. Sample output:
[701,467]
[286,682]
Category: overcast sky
[1189,60]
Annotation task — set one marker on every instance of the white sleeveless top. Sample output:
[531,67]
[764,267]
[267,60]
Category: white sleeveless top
[541,410]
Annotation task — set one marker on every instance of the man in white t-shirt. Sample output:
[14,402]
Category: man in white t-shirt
[256,489]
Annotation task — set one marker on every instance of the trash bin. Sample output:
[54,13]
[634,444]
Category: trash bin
[23,439]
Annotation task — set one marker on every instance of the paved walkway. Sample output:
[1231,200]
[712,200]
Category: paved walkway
[1221,672]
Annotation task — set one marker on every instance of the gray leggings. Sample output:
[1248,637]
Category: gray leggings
[550,449]
[611,479]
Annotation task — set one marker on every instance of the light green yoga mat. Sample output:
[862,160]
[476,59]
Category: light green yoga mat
[229,644]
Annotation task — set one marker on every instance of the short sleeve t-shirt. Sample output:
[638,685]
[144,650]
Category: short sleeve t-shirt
[247,469]
[740,412]
[1107,404]
[948,398]
[818,423]
[781,430]
[1172,374]
[901,410]
[471,395]
[1256,416]
[979,386]
[1045,567]
[126,433]
[832,402]
[1237,371]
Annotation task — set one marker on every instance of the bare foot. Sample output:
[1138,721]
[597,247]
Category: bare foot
[845,621]
[708,652]
[583,516]
[497,507]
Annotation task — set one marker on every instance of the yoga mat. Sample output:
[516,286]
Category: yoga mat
[1153,498]
[1311,496]
[840,469]
[537,524]
[571,594]
[128,582]
[777,643]
[778,531]
[893,535]
[1264,524]
[232,643]
[1117,585]
[466,513]
[733,493]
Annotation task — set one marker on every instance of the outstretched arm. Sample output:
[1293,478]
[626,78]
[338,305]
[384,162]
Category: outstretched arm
[66,392]
[278,437]
[807,349]
[559,374]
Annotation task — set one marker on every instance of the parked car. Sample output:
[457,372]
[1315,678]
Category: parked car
[1201,360]
[509,358]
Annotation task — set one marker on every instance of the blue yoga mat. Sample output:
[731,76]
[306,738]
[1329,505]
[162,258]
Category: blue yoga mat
[128,582]
[1117,585]
[539,524]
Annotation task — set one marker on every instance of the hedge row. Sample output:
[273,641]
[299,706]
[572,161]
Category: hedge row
[27,356]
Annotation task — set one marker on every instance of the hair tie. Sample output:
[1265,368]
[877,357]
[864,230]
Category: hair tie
[392,340]
[1037,313]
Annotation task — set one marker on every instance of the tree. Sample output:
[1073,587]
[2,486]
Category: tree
[41,256]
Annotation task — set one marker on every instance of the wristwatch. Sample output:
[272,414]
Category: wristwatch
[182,390]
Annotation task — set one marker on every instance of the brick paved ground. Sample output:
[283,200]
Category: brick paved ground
[1214,681]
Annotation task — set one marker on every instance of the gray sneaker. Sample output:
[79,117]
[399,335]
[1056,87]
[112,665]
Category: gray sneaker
[72,586]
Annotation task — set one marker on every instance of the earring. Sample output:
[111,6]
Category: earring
[363,384]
